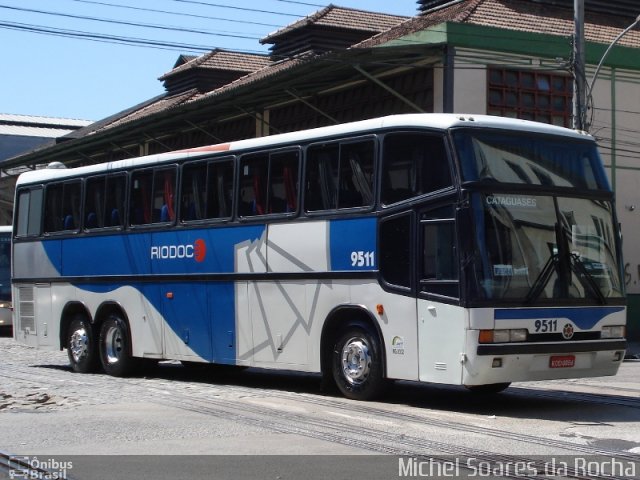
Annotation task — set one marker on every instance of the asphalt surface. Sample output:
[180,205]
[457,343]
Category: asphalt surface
[176,422]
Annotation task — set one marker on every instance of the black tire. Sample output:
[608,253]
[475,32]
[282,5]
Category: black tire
[357,365]
[489,389]
[115,347]
[81,345]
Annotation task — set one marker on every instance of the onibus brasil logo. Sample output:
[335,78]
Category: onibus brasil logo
[197,251]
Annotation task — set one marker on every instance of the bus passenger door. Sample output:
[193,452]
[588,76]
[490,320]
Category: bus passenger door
[441,322]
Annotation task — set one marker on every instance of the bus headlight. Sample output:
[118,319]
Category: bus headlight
[613,331]
[503,335]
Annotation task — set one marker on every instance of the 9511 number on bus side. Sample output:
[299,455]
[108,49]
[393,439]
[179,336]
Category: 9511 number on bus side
[363,259]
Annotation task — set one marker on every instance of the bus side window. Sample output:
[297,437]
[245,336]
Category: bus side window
[94,203]
[253,185]
[356,174]
[194,194]
[339,175]
[321,186]
[62,207]
[283,182]
[440,267]
[140,197]
[114,200]
[164,186]
[395,250]
[220,189]
[29,216]
[413,164]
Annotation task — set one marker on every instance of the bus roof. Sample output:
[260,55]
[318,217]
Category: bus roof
[426,120]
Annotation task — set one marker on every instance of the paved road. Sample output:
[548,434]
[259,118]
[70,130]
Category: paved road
[49,412]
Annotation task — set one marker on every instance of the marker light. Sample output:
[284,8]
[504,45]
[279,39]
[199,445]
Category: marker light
[503,335]
[613,331]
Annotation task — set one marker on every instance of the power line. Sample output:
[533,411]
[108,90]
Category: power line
[182,14]
[301,3]
[98,37]
[244,9]
[132,24]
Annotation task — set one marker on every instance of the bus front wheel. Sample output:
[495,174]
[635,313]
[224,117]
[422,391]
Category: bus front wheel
[488,389]
[81,345]
[115,348]
[357,364]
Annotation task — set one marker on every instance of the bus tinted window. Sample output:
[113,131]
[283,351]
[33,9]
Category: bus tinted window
[339,176]
[114,200]
[152,197]
[62,207]
[269,183]
[22,217]
[207,190]
[104,201]
[413,164]
[283,182]
[522,158]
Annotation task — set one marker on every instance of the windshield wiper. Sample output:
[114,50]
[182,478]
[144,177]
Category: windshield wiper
[586,278]
[542,279]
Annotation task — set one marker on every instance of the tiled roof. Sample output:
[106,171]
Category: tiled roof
[168,102]
[521,15]
[161,105]
[508,14]
[344,18]
[223,60]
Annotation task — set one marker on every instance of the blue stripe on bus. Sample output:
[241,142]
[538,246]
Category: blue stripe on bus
[201,314]
[353,244]
[176,251]
[584,318]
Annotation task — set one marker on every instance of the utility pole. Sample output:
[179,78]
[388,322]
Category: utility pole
[579,75]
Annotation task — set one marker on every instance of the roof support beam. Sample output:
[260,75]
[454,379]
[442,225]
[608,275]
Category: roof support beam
[118,147]
[208,134]
[258,118]
[370,77]
[312,107]
[152,139]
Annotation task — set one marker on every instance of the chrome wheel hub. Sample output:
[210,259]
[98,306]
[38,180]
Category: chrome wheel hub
[114,345]
[79,344]
[356,361]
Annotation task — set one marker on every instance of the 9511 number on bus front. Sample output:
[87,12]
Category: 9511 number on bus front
[546,325]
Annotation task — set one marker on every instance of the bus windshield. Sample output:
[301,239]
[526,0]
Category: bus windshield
[525,158]
[534,247]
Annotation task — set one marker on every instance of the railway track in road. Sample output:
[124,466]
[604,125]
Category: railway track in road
[381,441]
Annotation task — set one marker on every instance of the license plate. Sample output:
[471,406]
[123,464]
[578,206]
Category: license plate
[562,361]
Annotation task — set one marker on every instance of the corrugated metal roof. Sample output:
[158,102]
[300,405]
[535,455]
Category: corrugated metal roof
[25,131]
[8,118]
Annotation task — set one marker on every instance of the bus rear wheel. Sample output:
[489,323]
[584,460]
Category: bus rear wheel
[115,347]
[357,364]
[81,345]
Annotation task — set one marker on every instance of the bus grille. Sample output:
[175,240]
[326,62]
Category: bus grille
[26,312]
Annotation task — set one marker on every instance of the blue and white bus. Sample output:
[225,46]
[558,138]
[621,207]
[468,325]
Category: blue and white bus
[451,249]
